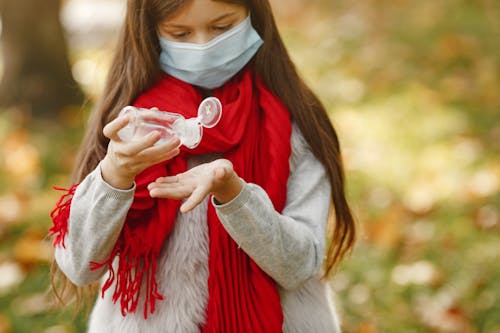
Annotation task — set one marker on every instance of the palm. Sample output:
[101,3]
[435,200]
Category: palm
[194,184]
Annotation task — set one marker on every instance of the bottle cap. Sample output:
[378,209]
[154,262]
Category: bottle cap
[209,112]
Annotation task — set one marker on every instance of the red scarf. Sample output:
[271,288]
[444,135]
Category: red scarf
[254,134]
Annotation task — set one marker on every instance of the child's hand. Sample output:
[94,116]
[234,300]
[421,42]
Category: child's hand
[124,160]
[217,177]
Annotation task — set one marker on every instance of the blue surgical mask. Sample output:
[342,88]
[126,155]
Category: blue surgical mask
[212,64]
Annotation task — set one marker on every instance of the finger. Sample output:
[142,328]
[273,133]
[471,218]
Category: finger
[152,159]
[168,179]
[174,183]
[136,146]
[162,151]
[195,198]
[170,191]
[111,129]
[167,156]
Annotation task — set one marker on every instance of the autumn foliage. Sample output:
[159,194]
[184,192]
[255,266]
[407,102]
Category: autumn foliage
[413,88]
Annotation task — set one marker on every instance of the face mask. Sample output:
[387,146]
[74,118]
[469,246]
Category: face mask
[212,64]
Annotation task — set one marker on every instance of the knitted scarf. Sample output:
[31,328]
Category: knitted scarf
[254,134]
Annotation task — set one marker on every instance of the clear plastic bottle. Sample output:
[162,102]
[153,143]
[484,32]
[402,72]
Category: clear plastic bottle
[169,124]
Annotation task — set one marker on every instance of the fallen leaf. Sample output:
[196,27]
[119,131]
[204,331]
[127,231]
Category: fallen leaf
[366,328]
[32,304]
[31,248]
[11,275]
[12,207]
[57,329]
[21,159]
[4,324]
[387,231]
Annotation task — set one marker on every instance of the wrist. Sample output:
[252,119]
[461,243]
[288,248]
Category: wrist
[229,189]
[112,175]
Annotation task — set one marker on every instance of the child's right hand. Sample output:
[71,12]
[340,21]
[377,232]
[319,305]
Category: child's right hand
[124,160]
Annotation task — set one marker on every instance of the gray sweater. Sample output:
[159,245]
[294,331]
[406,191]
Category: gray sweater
[287,246]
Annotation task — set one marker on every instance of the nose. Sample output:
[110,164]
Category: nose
[201,38]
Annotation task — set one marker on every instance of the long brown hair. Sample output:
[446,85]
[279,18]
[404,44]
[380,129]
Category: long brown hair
[135,68]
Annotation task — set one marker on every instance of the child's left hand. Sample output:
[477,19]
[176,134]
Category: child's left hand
[217,177]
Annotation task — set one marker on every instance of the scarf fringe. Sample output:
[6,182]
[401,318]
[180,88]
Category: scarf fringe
[60,215]
[131,271]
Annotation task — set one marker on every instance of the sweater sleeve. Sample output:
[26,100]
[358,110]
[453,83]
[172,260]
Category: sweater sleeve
[287,246]
[97,214]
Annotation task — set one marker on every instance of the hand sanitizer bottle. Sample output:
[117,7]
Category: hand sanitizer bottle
[169,124]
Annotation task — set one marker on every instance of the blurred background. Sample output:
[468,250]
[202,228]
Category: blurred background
[413,88]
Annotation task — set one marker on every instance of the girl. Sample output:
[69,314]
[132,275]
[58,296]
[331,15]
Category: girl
[229,236]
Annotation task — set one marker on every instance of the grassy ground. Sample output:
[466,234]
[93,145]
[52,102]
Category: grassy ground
[413,89]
